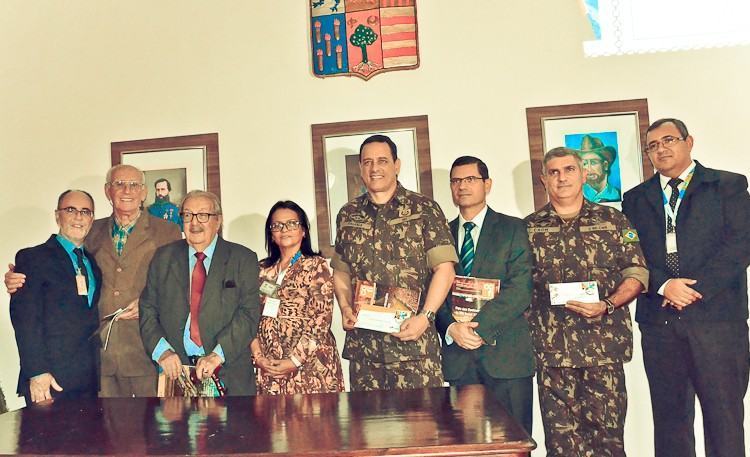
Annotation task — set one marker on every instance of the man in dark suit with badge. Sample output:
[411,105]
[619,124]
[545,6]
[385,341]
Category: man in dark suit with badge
[494,348]
[55,314]
[201,299]
[692,223]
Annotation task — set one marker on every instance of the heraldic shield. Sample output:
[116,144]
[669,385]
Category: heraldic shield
[363,37]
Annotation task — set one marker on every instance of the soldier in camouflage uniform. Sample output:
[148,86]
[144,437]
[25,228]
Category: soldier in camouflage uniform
[581,347]
[392,237]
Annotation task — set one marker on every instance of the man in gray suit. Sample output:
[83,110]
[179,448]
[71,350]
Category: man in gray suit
[495,347]
[218,317]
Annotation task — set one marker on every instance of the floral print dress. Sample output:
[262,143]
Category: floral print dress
[302,328]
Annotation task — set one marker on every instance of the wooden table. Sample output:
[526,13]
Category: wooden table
[452,421]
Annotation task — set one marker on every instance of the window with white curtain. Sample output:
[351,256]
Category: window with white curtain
[642,26]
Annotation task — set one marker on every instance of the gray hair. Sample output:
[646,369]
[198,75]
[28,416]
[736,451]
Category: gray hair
[123,166]
[205,194]
[560,152]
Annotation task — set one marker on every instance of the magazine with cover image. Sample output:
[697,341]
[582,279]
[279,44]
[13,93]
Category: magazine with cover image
[469,294]
[383,309]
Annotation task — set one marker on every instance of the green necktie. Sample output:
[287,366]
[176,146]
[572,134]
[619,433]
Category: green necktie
[467,249]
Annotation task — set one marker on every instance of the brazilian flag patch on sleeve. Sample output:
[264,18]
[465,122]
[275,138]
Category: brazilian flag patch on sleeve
[630,235]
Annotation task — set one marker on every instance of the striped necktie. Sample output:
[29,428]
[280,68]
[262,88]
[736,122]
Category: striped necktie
[467,249]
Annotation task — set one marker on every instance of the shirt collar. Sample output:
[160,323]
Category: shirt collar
[398,196]
[664,180]
[66,243]
[478,220]
[209,251]
[116,224]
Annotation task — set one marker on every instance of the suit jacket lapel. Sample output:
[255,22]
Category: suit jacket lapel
[654,195]
[216,274]
[453,226]
[179,275]
[62,257]
[137,236]
[487,236]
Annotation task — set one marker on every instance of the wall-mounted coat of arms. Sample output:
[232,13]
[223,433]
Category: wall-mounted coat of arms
[363,37]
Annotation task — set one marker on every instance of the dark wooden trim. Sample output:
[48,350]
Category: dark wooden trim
[208,141]
[321,131]
[535,116]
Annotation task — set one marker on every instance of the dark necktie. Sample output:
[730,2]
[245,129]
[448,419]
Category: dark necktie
[81,267]
[196,293]
[673,260]
[467,249]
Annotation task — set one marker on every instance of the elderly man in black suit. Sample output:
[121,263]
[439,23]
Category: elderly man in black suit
[55,313]
[692,223]
[201,299]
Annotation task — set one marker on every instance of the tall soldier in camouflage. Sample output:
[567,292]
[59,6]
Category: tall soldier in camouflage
[392,237]
[581,347]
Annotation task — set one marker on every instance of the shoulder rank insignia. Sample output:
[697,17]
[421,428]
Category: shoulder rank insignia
[630,235]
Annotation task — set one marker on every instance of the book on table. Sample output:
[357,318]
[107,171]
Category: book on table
[383,308]
[469,294]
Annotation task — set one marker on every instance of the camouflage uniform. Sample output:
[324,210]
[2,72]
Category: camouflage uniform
[395,244]
[580,361]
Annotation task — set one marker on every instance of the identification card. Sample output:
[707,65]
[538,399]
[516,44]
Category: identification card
[561,293]
[81,284]
[271,307]
[671,243]
[269,289]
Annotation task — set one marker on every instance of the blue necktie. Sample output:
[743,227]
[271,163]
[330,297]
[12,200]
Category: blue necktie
[467,249]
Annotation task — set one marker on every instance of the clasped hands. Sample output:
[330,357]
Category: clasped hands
[172,365]
[277,368]
[465,335]
[678,294]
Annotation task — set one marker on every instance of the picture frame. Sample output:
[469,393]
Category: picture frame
[336,164]
[191,160]
[613,130]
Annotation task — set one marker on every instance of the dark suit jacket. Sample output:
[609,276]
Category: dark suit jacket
[712,238]
[52,322]
[124,279]
[229,312]
[502,252]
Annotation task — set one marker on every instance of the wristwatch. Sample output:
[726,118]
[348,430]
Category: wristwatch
[429,314]
[610,305]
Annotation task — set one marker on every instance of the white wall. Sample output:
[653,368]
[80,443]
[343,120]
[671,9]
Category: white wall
[76,75]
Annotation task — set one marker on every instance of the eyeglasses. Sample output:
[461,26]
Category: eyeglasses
[187,217]
[70,211]
[121,185]
[288,225]
[468,180]
[667,142]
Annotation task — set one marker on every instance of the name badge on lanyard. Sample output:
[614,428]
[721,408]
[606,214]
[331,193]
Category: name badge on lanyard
[273,303]
[672,213]
[81,283]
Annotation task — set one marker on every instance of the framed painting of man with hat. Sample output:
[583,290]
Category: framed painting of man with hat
[608,138]
[598,152]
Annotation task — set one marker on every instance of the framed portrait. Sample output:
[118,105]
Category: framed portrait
[608,137]
[186,163]
[336,164]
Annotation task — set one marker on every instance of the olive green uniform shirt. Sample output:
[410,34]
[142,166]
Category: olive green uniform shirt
[394,244]
[598,245]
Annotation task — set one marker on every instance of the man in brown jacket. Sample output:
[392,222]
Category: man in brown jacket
[123,245]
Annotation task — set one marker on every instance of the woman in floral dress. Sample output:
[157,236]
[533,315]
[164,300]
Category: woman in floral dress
[295,351]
